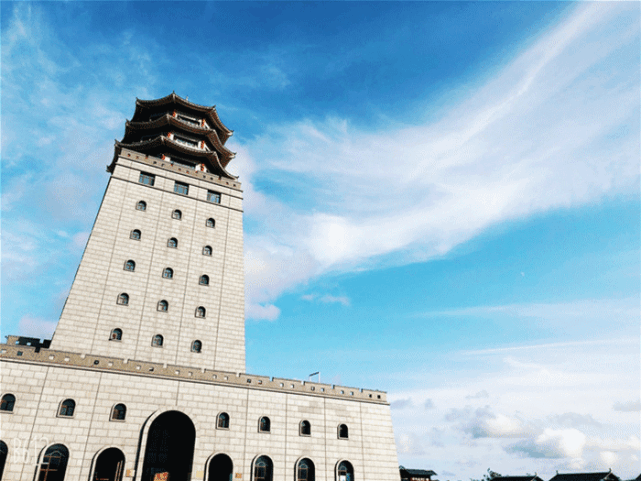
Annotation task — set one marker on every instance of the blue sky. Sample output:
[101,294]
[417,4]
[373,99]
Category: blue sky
[441,201]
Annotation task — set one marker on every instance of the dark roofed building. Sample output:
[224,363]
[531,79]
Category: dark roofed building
[528,477]
[605,476]
[416,474]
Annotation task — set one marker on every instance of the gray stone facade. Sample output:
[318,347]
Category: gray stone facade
[111,397]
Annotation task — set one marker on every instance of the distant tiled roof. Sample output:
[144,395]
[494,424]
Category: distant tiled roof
[418,473]
[518,478]
[607,476]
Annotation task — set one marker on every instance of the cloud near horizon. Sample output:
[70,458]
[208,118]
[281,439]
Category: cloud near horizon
[538,136]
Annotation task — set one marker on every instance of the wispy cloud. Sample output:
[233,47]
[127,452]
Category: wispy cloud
[549,131]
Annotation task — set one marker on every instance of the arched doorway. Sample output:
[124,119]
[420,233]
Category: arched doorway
[170,448]
[4,450]
[54,463]
[345,471]
[305,470]
[109,465]
[220,468]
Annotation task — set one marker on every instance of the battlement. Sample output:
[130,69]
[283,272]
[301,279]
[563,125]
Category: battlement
[17,349]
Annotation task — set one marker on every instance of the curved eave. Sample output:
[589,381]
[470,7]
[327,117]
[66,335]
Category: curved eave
[148,147]
[211,135]
[209,112]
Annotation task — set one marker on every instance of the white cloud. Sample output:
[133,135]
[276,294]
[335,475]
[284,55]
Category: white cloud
[326,299]
[36,327]
[627,406]
[545,124]
[553,443]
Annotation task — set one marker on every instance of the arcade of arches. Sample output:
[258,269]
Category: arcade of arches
[169,454]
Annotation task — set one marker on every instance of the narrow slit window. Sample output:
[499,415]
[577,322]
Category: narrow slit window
[305,428]
[264,425]
[343,432]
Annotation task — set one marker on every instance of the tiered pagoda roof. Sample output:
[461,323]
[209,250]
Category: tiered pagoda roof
[181,132]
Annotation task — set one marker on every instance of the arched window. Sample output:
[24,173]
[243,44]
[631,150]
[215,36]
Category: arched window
[196,346]
[67,407]
[200,312]
[119,412]
[204,280]
[123,299]
[305,428]
[177,215]
[263,469]
[264,425]
[168,273]
[211,222]
[343,432]
[223,421]
[206,251]
[134,234]
[130,265]
[305,471]
[116,335]
[157,341]
[7,403]
[345,471]
[173,243]
[141,205]
[54,463]
[163,306]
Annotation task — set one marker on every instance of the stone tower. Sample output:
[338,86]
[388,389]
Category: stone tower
[161,278]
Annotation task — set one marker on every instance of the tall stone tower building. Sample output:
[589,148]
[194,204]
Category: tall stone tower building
[161,278]
[144,379]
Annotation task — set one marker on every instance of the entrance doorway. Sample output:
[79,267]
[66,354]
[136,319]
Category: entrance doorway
[220,468]
[54,463]
[170,448]
[109,465]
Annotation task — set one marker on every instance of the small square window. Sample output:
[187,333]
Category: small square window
[180,188]
[147,179]
[213,197]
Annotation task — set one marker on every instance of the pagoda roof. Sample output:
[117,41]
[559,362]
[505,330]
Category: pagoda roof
[173,99]
[169,120]
[161,144]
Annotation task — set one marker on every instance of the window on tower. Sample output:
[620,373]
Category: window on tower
[67,408]
[177,215]
[123,299]
[201,312]
[196,346]
[130,265]
[213,197]
[168,273]
[118,412]
[180,188]
[7,403]
[135,234]
[157,341]
[163,306]
[116,335]
[207,251]
[173,243]
[141,205]
[264,425]
[204,280]
[210,222]
[223,421]
[147,179]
